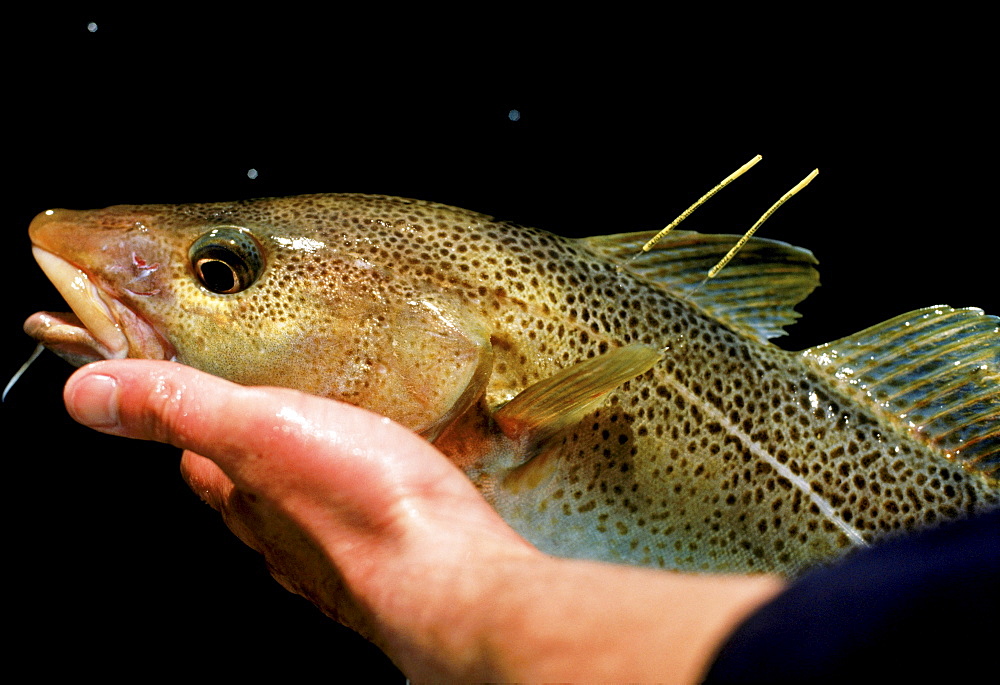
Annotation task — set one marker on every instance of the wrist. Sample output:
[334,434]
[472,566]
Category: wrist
[540,618]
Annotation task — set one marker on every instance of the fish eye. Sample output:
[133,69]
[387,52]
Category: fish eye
[226,260]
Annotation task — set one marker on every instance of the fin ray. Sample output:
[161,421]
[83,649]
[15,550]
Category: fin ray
[564,398]
[543,410]
[935,371]
[755,294]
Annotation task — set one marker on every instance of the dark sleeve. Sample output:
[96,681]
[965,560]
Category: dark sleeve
[911,610]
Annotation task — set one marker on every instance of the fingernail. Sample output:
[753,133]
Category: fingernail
[94,401]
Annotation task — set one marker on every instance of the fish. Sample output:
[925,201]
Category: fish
[610,406]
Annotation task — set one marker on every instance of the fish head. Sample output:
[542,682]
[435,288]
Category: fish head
[283,292]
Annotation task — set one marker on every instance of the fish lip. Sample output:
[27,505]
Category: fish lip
[101,327]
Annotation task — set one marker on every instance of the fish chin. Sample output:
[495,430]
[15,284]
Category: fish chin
[64,334]
[100,327]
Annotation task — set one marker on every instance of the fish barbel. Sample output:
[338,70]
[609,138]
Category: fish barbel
[609,407]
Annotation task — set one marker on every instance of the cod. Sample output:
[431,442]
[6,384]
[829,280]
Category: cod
[609,406]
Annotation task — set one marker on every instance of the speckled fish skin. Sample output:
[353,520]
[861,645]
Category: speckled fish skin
[729,454]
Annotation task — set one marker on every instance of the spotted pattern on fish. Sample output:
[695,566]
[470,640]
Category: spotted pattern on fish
[729,454]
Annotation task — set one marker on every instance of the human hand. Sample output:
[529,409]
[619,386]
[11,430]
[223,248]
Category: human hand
[383,533]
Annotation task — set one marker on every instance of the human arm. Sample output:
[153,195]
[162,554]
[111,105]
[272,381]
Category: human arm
[383,533]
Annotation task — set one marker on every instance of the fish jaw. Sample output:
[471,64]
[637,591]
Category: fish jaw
[92,325]
[64,334]
[101,326]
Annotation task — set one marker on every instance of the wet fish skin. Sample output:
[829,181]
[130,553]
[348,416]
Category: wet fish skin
[728,454]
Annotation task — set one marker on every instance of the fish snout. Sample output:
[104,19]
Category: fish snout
[46,225]
[53,229]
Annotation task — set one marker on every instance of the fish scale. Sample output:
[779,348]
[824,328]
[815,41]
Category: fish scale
[765,469]
[608,408]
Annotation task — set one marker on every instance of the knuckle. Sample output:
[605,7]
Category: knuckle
[162,411]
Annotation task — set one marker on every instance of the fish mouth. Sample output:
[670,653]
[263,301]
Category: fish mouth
[100,326]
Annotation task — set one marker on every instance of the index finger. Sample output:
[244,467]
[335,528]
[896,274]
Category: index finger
[280,443]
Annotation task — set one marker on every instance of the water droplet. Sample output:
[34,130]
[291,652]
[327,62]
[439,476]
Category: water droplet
[252,173]
[92,27]
[514,114]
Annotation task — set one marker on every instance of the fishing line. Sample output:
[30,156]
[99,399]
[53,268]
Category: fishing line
[24,367]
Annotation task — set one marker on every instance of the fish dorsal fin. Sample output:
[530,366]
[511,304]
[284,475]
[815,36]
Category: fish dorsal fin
[544,409]
[563,399]
[756,293]
[933,371]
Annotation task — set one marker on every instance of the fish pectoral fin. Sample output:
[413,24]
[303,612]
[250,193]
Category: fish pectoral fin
[543,410]
[547,407]
[934,373]
[755,293]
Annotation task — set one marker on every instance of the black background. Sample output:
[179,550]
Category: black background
[111,564]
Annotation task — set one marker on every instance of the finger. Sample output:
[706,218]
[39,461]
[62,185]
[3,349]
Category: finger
[206,479]
[294,561]
[215,488]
